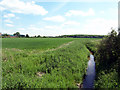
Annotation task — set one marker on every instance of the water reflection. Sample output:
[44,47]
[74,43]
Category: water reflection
[89,79]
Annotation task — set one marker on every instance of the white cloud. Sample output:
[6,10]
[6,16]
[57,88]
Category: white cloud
[91,26]
[90,12]
[9,25]
[71,23]
[9,15]
[51,27]
[8,21]
[61,28]
[77,1]
[113,11]
[33,2]
[102,12]
[55,18]
[99,26]
[32,27]
[18,6]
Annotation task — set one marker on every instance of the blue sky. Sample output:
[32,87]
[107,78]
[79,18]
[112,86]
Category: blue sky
[58,18]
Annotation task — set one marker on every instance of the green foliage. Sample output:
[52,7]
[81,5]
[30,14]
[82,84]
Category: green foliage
[107,80]
[108,50]
[82,36]
[17,34]
[107,56]
[92,45]
[63,67]
[38,36]
[5,35]
[27,36]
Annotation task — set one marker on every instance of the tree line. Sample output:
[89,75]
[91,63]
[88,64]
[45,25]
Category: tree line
[18,35]
[82,36]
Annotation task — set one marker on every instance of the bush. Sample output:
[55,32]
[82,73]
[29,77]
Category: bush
[108,59]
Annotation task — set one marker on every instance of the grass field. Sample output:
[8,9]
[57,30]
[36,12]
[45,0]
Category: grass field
[24,66]
[34,43]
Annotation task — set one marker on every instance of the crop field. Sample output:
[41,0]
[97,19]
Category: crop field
[44,62]
[33,43]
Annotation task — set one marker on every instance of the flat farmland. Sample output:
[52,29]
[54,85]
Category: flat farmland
[34,43]
[62,64]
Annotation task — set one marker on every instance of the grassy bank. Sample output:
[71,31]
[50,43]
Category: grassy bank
[61,68]
[107,61]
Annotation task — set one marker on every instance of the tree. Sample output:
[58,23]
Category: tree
[44,36]
[38,36]
[27,36]
[113,33]
[17,34]
[108,57]
[5,35]
[108,50]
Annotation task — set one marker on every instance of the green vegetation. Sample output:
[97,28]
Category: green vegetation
[92,45]
[62,68]
[59,62]
[107,57]
[82,36]
[18,35]
[33,43]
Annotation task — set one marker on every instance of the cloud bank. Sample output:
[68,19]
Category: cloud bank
[17,6]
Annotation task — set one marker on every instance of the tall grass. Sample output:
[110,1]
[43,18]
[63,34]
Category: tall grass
[63,67]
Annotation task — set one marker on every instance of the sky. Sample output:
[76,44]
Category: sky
[58,17]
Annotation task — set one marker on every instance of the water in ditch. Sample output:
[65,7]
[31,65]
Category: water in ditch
[90,76]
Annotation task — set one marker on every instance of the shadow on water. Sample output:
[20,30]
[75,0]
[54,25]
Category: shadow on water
[88,82]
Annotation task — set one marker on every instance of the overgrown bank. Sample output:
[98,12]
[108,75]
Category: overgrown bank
[62,68]
[107,57]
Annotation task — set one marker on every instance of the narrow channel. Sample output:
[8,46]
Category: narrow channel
[88,82]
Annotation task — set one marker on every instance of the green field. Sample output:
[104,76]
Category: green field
[34,43]
[62,67]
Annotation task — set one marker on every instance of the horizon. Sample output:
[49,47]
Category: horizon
[54,18]
[55,36]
